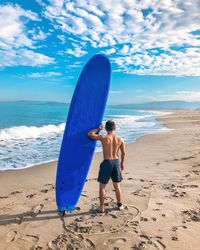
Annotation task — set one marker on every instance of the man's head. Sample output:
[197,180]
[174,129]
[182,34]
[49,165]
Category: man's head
[110,126]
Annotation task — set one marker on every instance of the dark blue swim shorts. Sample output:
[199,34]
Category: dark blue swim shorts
[110,169]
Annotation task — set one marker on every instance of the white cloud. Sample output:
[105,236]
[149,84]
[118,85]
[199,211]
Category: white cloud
[23,57]
[188,96]
[116,91]
[41,2]
[12,28]
[124,50]
[178,63]
[149,37]
[75,65]
[17,43]
[43,74]
[40,35]
[110,51]
[77,52]
[61,38]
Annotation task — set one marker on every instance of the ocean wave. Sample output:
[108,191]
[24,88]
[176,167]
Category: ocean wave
[156,112]
[132,117]
[25,146]
[26,132]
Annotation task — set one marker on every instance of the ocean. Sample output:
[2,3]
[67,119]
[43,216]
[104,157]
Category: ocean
[31,132]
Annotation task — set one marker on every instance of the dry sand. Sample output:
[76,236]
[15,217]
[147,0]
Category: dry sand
[161,178]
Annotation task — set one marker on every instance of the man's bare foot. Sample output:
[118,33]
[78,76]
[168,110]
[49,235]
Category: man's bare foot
[101,209]
[120,206]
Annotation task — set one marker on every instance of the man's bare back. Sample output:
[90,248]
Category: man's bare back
[111,144]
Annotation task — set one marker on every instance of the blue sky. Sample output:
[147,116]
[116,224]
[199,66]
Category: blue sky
[154,48]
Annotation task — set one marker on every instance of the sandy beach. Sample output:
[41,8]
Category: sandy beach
[161,178]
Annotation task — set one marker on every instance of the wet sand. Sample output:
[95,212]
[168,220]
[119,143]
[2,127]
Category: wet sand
[161,178]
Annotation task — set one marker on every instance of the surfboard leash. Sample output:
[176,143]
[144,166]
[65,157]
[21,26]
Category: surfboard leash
[114,230]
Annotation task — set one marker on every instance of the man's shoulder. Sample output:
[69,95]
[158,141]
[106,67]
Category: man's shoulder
[102,136]
[120,139]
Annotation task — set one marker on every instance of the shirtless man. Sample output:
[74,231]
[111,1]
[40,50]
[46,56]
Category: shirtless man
[110,167]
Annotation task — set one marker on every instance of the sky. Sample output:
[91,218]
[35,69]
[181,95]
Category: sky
[153,46]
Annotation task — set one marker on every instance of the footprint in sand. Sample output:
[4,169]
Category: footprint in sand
[3,197]
[16,192]
[30,196]
[31,238]
[11,236]
[89,244]
[191,215]
[174,233]
[108,198]
[91,179]
[64,241]
[44,191]
[114,241]
[50,185]
[84,195]
[36,210]
[196,172]
[183,158]
[138,193]
[86,226]
[196,165]
[36,247]
[148,240]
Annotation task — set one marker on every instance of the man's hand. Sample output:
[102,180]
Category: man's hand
[94,133]
[122,166]
[100,127]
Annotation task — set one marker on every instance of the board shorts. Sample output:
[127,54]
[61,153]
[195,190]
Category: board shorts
[109,169]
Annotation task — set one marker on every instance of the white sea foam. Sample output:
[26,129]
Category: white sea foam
[156,112]
[25,132]
[25,146]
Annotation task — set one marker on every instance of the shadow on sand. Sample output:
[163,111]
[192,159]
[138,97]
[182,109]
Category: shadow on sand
[43,215]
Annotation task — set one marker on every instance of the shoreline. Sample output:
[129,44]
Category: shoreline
[156,132]
[161,178]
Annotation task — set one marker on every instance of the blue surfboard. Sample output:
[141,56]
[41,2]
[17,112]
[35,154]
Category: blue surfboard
[85,113]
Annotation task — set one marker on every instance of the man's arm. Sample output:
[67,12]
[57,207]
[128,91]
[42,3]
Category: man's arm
[93,134]
[123,153]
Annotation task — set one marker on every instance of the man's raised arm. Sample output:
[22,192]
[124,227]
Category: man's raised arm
[94,133]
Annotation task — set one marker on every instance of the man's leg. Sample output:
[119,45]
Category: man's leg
[118,191]
[102,194]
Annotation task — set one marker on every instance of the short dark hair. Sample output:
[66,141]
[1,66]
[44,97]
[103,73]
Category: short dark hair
[110,125]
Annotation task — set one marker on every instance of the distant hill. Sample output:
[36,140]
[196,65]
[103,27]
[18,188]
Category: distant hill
[160,105]
[147,105]
[37,102]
